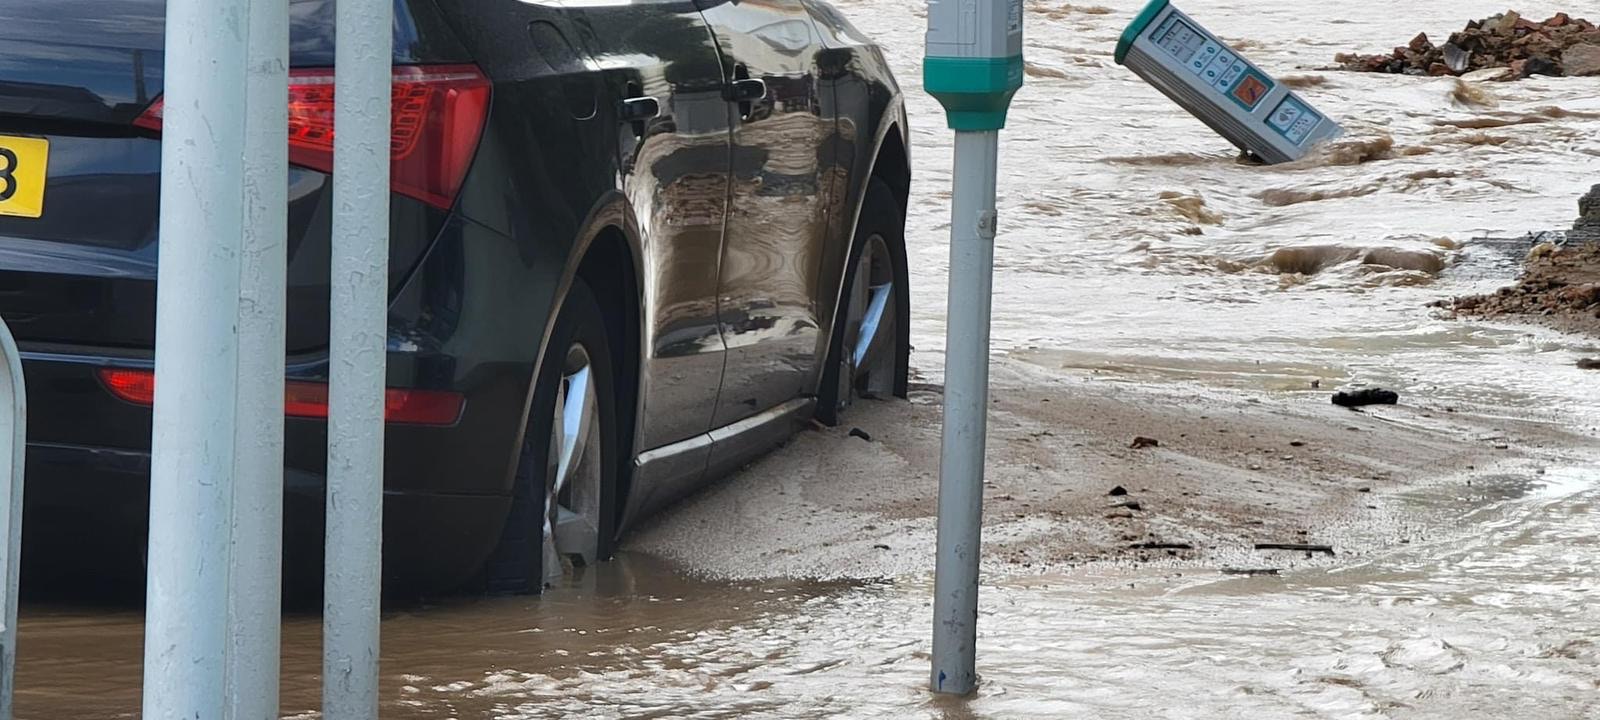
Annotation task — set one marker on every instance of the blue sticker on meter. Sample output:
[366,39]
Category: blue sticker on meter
[1213,73]
[1294,120]
[1208,52]
[1231,75]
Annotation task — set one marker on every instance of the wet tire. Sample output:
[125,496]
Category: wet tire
[521,564]
[875,286]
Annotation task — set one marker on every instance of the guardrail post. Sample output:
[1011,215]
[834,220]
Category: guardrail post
[363,74]
[197,358]
[13,451]
[255,599]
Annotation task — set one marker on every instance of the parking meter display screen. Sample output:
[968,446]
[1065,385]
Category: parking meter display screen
[1179,38]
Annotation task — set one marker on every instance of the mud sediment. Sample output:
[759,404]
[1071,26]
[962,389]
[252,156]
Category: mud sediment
[1084,473]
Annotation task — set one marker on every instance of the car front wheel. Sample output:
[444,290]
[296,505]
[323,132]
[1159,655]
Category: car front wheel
[870,349]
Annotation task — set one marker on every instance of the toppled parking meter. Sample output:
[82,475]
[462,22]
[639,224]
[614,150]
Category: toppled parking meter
[973,67]
[1225,91]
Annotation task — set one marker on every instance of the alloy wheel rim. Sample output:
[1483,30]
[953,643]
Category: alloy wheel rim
[572,517]
[872,327]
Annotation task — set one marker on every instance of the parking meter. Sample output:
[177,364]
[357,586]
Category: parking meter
[973,67]
[1219,86]
[974,60]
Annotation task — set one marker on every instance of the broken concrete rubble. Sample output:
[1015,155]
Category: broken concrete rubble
[1560,285]
[1560,46]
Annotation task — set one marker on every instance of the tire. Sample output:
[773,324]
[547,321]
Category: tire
[875,287]
[576,380]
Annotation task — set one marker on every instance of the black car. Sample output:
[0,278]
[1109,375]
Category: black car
[634,246]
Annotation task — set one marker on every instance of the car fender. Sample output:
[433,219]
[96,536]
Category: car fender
[894,120]
[611,213]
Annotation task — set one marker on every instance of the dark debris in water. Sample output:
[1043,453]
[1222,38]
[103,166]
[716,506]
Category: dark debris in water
[1251,572]
[1365,397]
[1297,547]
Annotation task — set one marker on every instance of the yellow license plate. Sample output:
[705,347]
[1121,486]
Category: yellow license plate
[22,171]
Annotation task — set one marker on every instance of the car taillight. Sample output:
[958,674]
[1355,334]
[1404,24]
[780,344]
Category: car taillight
[308,399]
[437,111]
[135,386]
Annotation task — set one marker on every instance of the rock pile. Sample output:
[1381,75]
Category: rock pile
[1560,46]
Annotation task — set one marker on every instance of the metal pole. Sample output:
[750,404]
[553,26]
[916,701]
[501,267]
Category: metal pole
[254,600]
[966,407]
[197,358]
[358,344]
[13,450]
[973,67]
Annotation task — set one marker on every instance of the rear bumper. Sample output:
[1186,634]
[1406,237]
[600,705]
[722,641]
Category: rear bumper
[87,508]
[469,320]
[70,407]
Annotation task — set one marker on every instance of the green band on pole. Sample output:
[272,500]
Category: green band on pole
[975,92]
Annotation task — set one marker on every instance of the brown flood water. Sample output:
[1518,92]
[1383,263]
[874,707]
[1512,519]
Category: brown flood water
[1491,617]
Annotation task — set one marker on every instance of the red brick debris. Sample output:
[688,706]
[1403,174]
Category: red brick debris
[1561,46]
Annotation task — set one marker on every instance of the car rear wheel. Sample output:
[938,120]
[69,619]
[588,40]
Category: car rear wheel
[870,348]
[563,513]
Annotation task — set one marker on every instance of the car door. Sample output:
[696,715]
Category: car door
[778,212]
[659,67]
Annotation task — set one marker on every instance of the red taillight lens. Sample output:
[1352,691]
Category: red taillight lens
[135,386]
[421,407]
[437,113]
[309,400]
[305,400]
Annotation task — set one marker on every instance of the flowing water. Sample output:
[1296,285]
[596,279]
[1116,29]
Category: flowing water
[1177,261]
[1136,245]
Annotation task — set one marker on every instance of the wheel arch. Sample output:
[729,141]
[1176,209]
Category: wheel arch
[891,163]
[607,255]
[611,269]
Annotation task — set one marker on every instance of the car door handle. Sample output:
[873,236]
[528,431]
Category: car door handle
[637,112]
[747,90]
[639,109]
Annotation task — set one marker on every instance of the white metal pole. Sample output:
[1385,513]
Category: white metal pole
[13,450]
[966,408]
[358,343]
[254,600]
[973,67]
[192,446]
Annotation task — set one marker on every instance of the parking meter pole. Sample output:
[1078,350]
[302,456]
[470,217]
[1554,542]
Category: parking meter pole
[357,357]
[197,360]
[254,607]
[966,401]
[973,67]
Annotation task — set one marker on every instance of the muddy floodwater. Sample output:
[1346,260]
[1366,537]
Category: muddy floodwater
[1493,617]
[1136,251]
